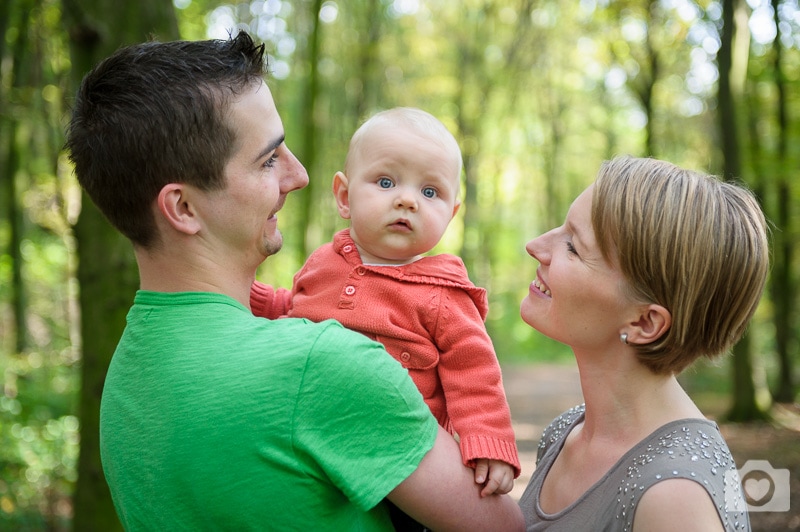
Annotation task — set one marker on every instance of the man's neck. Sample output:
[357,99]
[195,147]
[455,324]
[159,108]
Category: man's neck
[167,272]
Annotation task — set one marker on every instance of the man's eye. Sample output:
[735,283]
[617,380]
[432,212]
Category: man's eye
[429,192]
[269,163]
[385,182]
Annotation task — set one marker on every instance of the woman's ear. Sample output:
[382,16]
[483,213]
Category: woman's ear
[654,321]
[341,194]
[177,210]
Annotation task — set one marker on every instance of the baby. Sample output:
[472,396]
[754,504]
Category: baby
[399,190]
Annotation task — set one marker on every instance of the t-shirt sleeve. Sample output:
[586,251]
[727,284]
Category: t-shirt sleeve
[361,417]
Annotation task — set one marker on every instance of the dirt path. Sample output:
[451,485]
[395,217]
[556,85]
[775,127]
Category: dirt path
[538,393]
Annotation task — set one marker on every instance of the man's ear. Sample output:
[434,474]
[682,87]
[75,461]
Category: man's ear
[177,210]
[654,321]
[341,194]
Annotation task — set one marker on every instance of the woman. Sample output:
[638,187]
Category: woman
[655,267]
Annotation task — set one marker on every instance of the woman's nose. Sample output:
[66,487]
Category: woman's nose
[539,247]
[530,247]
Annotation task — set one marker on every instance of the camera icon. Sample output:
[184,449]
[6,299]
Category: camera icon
[764,488]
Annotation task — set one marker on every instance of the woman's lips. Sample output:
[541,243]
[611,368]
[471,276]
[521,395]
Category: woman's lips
[540,287]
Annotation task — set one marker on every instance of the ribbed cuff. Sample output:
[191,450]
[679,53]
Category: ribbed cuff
[475,447]
[267,302]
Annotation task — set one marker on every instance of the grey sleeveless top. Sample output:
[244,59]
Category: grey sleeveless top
[691,448]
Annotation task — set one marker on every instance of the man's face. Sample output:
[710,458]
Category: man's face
[259,175]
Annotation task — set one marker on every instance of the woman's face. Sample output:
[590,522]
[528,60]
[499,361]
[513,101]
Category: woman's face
[577,297]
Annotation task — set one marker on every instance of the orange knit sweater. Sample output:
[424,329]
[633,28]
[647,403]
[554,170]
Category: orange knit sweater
[429,316]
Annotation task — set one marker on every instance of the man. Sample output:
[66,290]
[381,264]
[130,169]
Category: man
[212,418]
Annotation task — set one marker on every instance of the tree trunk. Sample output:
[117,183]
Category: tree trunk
[13,166]
[745,406]
[646,85]
[15,222]
[783,288]
[308,149]
[467,122]
[15,219]
[783,292]
[108,278]
[368,57]
[107,273]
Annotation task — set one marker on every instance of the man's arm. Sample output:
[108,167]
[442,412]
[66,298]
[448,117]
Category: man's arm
[442,494]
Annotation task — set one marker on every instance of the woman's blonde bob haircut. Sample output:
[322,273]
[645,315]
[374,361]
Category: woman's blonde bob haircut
[688,242]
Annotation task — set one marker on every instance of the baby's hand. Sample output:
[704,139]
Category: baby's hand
[495,475]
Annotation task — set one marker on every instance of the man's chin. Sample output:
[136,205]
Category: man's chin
[273,245]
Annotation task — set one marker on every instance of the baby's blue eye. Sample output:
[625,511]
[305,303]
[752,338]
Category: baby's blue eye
[429,192]
[385,182]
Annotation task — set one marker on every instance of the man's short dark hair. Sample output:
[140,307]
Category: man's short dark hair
[155,113]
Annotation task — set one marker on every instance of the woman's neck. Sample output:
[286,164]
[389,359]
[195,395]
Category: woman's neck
[625,400]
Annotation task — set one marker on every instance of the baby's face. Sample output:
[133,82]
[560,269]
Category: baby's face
[403,192]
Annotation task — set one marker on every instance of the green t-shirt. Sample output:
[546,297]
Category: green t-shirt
[214,419]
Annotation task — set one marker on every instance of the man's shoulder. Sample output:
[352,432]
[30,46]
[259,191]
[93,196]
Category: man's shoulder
[328,337]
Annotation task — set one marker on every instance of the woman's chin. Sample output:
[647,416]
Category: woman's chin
[528,312]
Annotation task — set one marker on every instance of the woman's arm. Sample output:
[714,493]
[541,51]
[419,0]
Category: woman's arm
[676,504]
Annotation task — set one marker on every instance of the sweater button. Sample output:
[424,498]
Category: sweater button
[348,248]
[404,356]
[350,290]
[361,270]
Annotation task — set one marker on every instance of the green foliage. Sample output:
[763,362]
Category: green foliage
[39,432]
[38,427]
[38,440]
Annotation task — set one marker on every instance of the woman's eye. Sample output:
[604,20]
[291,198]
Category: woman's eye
[429,192]
[385,182]
[571,248]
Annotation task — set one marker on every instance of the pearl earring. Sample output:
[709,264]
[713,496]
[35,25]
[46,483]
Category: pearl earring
[623,338]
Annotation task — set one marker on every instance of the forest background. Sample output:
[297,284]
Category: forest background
[538,93]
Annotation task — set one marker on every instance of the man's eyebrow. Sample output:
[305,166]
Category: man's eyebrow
[272,146]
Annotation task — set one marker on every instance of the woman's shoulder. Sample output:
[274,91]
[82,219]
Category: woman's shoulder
[690,456]
[559,428]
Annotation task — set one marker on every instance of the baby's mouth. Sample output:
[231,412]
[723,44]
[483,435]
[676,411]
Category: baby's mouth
[401,224]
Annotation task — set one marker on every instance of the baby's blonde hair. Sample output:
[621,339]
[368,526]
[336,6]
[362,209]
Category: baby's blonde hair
[416,120]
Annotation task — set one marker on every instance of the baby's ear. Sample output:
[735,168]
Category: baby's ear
[341,194]
[175,205]
[455,208]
